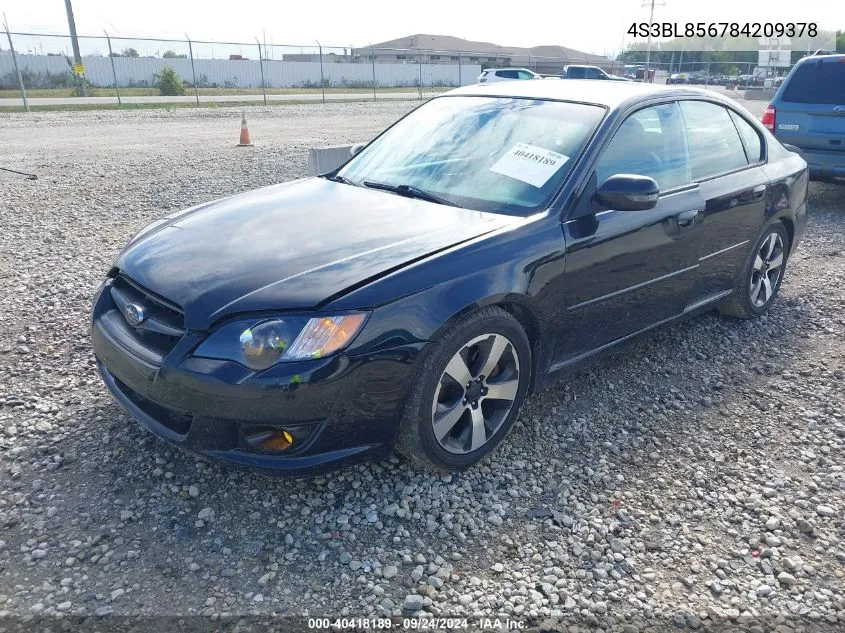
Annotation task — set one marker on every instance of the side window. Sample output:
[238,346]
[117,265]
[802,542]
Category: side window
[750,138]
[714,143]
[649,143]
[524,74]
[576,73]
[506,74]
[592,73]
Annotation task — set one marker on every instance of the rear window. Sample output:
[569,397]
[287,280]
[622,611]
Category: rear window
[817,82]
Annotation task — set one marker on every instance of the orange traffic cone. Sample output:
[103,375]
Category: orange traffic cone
[245,142]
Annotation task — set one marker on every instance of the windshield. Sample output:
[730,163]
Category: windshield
[489,154]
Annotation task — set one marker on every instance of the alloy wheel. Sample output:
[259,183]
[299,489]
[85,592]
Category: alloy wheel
[475,394]
[766,270]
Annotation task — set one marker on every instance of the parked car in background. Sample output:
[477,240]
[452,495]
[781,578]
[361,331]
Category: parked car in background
[491,75]
[491,240]
[574,71]
[808,112]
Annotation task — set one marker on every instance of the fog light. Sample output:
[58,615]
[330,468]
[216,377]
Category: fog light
[277,442]
[270,440]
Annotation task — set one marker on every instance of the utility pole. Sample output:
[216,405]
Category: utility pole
[648,46]
[82,89]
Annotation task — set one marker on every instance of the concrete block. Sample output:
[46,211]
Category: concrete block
[325,159]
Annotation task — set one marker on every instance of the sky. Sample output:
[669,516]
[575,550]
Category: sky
[596,27]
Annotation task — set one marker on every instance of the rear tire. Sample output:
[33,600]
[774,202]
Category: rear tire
[467,393]
[760,277]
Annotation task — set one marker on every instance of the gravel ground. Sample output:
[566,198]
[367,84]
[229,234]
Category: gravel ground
[694,479]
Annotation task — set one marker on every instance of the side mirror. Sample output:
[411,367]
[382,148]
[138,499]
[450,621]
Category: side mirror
[356,148]
[627,192]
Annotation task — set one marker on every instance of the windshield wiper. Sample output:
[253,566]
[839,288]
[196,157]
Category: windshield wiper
[344,180]
[410,191]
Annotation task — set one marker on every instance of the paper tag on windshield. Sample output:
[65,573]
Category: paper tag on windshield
[530,164]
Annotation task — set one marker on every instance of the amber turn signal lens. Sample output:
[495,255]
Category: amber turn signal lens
[325,335]
[279,441]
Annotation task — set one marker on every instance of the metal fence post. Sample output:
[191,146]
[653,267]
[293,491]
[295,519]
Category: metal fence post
[15,62]
[193,69]
[460,71]
[419,60]
[373,60]
[322,77]
[113,71]
[261,65]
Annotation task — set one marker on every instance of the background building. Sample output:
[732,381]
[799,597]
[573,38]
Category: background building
[446,49]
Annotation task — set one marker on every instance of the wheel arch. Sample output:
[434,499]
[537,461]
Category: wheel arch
[789,225]
[521,308]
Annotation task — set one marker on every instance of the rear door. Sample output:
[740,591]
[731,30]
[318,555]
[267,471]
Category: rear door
[810,109]
[726,157]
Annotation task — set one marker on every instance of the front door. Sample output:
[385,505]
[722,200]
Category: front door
[629,270]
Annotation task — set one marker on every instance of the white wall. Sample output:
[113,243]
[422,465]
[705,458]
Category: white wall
[132,71]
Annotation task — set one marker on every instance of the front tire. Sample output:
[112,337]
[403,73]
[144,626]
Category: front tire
[761,276]
[468,391]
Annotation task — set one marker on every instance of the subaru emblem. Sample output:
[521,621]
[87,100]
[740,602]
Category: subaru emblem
[134,314]
[839,109]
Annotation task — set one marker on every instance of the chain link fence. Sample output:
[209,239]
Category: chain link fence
[120,70]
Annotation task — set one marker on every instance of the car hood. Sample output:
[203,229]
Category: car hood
[290,246]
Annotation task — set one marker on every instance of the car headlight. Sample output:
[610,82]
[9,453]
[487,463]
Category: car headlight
[261,343]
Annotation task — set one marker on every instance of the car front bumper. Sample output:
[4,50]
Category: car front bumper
[337,408]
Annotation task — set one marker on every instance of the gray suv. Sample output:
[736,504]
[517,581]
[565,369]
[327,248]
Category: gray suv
[808,112]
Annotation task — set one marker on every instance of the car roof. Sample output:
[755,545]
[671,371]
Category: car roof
[822,57]
[611,94]
[508,68]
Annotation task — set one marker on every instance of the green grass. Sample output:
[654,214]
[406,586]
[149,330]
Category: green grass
[81,107]
[215,92]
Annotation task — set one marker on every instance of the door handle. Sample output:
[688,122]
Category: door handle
[687,218]
[759,191]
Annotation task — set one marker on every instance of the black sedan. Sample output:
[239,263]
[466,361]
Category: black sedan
[488,242]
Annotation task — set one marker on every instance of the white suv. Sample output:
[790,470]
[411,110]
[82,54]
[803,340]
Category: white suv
[506,74]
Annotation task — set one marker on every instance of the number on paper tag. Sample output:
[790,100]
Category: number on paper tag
[530,164]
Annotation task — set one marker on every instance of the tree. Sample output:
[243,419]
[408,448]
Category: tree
[130,52]
[169,83]
[840,41]
[171,54]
